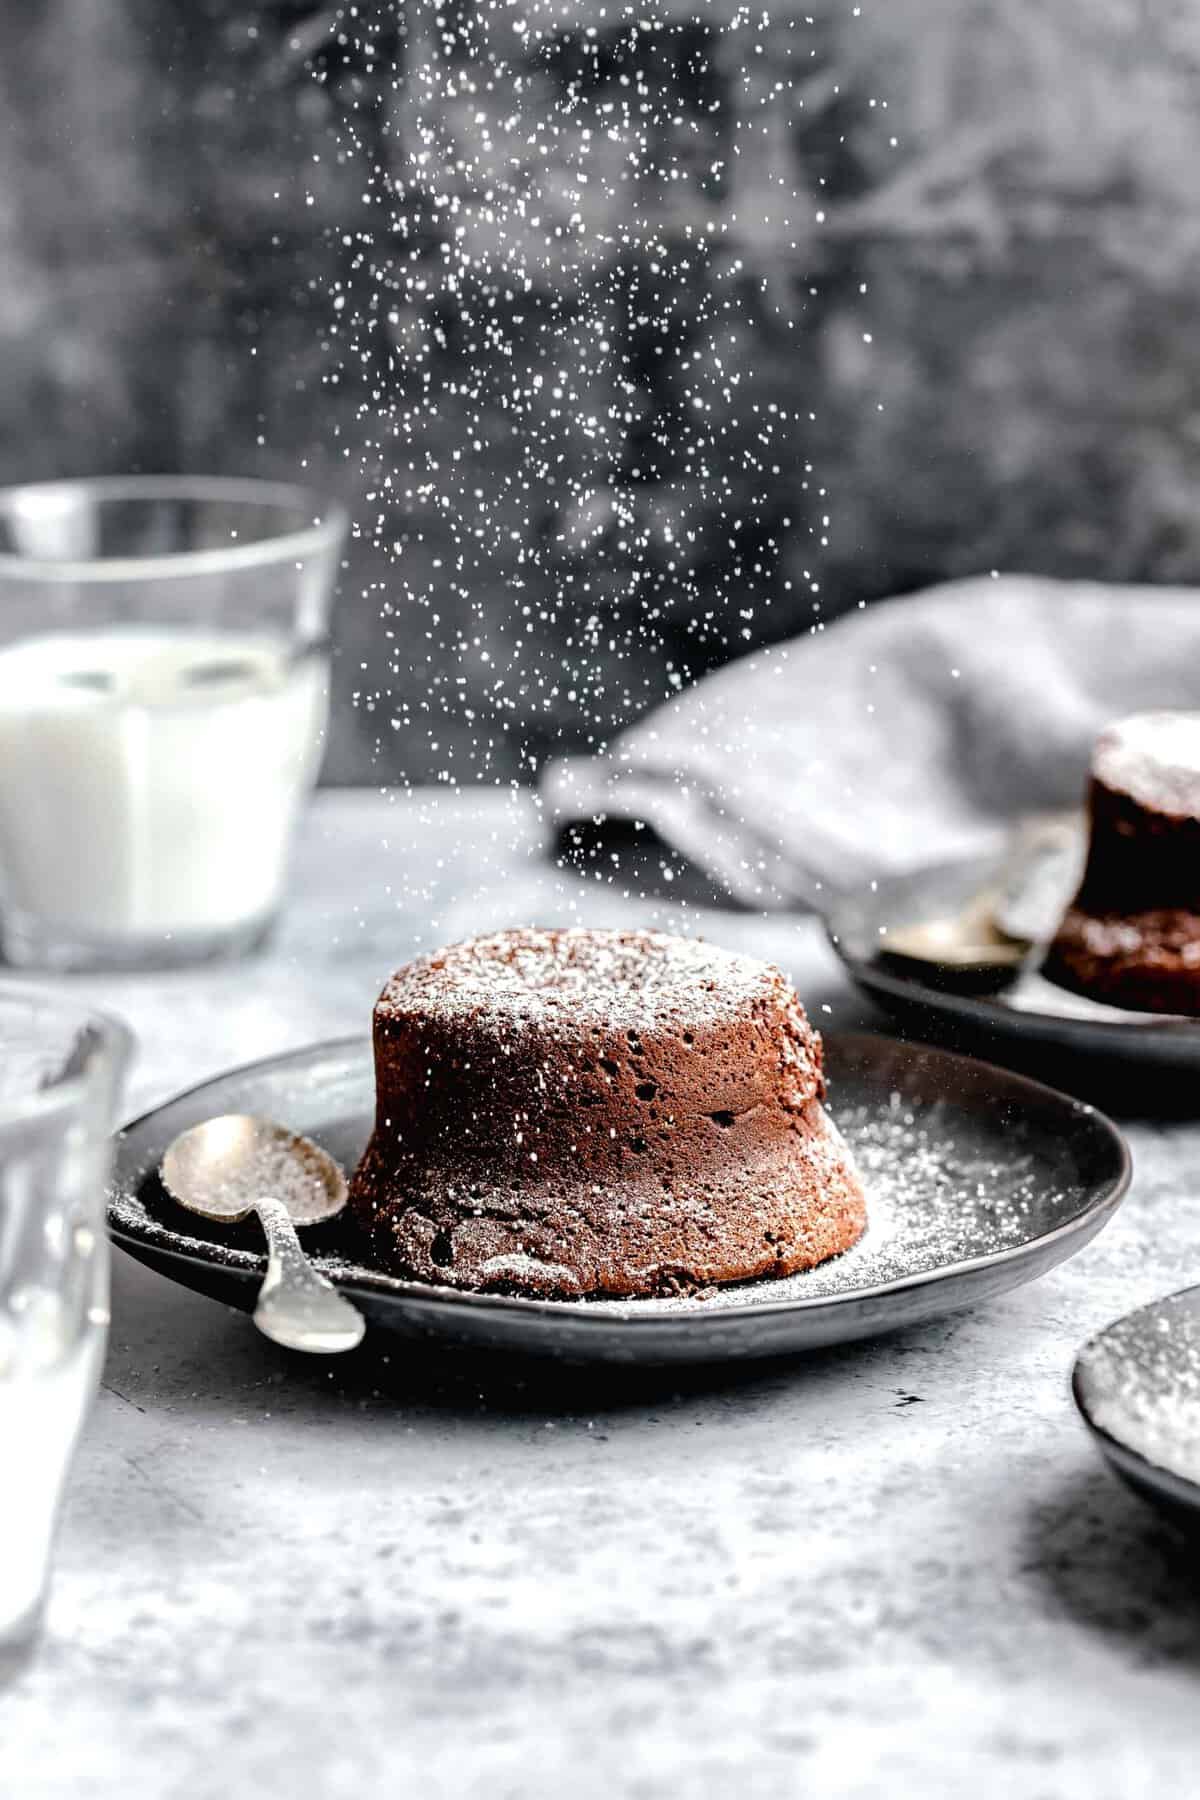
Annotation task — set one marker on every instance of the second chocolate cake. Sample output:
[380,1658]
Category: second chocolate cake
[569,1113]
[1131,937]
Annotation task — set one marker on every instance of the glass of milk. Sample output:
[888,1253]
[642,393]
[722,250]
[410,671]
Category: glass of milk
[163,698]
[60,1076]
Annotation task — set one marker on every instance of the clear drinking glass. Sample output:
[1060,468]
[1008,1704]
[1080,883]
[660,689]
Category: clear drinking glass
[163,698]
[60,1076]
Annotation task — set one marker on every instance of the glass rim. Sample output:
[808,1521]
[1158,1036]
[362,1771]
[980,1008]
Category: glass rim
[330,525]
[117,1044]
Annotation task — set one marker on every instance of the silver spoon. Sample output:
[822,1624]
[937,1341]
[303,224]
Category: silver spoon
[1137,1385]
[985,944]
[236,1165]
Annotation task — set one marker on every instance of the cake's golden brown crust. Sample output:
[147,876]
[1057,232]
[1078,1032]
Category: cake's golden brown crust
[1131,937]
[591,1112]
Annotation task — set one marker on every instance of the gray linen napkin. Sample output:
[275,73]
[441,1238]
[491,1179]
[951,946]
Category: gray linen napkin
[903,733]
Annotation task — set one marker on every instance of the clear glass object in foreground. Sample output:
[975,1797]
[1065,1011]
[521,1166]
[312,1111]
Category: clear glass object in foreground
[163,696]
[60,1076]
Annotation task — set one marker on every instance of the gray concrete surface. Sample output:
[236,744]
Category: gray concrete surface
[893,1570]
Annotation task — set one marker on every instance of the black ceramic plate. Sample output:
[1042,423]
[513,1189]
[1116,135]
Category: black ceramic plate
[977,1180]
[1031,1010]
[1137,1384]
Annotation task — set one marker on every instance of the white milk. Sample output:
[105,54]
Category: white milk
[150,777]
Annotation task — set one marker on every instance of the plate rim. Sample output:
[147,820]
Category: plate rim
[627,1311]
[985,1009]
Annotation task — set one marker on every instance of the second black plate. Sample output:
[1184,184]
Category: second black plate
[1031,1011]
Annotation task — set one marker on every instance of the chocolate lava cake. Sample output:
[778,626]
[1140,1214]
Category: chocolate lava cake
[1131,936]
[571,1113]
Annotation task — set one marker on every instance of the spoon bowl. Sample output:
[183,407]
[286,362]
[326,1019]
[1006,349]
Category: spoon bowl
[221,1170]
[984,944]
[964,952]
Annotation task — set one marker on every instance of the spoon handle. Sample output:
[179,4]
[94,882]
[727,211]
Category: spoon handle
[297,1307]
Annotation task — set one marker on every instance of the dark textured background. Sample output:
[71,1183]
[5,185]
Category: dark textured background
[954,244]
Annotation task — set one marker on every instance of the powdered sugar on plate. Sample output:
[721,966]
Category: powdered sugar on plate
[1140,1382]
[934,1199]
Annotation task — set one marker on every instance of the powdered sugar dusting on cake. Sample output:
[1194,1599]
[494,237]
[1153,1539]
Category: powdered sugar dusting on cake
[1155,758]
[617,978]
